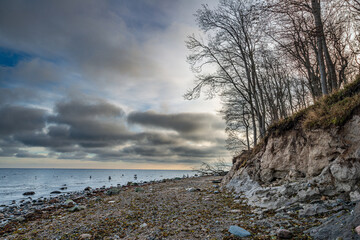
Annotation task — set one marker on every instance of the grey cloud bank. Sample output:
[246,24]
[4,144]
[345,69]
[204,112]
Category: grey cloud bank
[97,130]
[101,81]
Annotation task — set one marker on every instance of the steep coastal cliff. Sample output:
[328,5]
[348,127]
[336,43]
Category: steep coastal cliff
[310,158]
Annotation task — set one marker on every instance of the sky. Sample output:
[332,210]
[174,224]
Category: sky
[100,84]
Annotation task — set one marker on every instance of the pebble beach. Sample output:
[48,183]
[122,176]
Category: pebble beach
[187,208]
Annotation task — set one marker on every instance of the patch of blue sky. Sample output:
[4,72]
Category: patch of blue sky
[10,58]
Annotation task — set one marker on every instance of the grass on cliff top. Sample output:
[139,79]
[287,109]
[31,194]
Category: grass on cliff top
[332,110]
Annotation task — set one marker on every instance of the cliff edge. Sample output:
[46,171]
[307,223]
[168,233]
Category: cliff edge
[312,157]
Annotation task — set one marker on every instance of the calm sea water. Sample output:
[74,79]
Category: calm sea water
[14,182]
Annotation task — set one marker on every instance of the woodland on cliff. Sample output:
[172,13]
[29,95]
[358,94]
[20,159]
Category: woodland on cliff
[271,59]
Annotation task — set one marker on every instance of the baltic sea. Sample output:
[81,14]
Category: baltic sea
[15,181]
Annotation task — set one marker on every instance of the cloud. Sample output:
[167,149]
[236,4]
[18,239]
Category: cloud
[85,75]
[19,119]
[193,126]
[95,129]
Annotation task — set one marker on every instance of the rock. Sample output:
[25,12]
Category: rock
[20,219]
[69,203]
[143,225]
[55,192]
[85,236]
[284,234]
[238,231]
[357,230]
[216,192]
[235,211]
[215,186]
[309,193]
[341,224]
[354,196]
[53,200]
[191,189]
[113,191]
[216,181]
[76,208]
[138,189]
[28,193]
[345,171]
[63,188]
[88,189]
[312,210]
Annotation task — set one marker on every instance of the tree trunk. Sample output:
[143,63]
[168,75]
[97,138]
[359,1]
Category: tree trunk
[316,11]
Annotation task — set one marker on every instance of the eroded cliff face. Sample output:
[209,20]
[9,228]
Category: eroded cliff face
[328,160]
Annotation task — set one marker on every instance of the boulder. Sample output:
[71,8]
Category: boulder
[238,231]
[357,230]
[85,236]
[69,203]
[28,193]
[354,196]
[55,192]
[313,210]
[284,234]
[342,224]
[113,191]
[76,208]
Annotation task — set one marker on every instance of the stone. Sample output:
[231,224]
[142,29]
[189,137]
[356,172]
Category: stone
[284,234]
[85,236]
[354,196]
[28,193]
[139,189]
[345,171]
[88,189]
[144,225]
[357,230]
[55,192]
[20,219]
[340,224]
[238,231]
[69,203]
[76,208]
[309,193]
[216,181]
[191,189]
[113,191]
[53,200]
[313,210]
[63,188]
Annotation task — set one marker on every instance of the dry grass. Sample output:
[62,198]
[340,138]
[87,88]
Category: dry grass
[333,110]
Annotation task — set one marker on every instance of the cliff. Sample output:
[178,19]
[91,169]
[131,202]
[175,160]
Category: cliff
[312,157]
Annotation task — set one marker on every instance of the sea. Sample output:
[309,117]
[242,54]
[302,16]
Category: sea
[15,181]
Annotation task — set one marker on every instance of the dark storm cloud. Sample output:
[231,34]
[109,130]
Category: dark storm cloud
[97,130]
[19,119]
[92,123]
[180,122]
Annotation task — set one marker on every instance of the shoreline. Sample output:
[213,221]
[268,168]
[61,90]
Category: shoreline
[183,208]
[22,209]
[42,183]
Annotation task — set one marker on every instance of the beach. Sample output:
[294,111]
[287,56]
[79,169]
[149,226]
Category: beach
[188,208]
